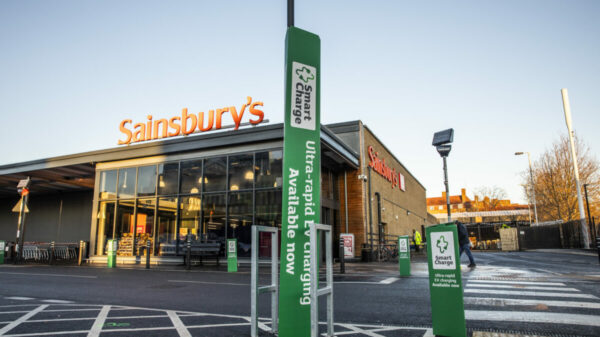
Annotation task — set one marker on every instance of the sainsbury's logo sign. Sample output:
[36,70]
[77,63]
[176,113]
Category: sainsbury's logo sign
[189,123]
[378,165]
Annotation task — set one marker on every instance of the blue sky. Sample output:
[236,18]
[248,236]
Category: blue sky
[70,71]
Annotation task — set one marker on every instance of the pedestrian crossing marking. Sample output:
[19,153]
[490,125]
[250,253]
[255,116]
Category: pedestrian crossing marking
[528,293]
[520,282]
[533,317]
[500,302]
[518,286]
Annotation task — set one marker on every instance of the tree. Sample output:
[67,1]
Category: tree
[554,180]
[488,199]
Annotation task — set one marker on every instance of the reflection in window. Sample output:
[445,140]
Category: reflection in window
[215,174]
[144,227]
[268,213]
[108,184]
[166,230]
[241,175]
[214,217]
[126,186]
[105,225]
[268,169]
[168,178]
[191,220]
[124,227]
[191,176]
[240,221]
[146,185]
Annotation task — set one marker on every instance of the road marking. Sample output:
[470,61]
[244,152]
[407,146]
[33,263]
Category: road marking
[56,275]
[202,282]
[518,286]
[513,301]
[356,282]
[179,326]
[520,282]
[19,298]
[532,317]
[527,293]
[14,312]
[389,280]
[99,322]
[57,301]
[428,333]
[22,319]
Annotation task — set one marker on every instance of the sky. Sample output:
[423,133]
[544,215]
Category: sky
[70,71]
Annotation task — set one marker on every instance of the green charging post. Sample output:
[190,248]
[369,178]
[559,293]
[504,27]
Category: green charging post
[404,255]
[2,248]
[111,258]
[232,260]
[445,281]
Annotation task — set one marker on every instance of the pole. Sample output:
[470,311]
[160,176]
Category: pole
[532,189]
[587,203]
[370,214]
[148,254]
[290,13]
[342,257]
[567,108]
[20,242]
[346,200]
[447,189]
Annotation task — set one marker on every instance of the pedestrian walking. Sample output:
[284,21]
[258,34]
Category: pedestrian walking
[416,240]
[465,243]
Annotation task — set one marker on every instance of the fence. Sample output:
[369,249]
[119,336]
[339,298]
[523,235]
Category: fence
[48,252]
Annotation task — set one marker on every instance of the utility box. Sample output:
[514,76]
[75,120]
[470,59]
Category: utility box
[232,260]
[111,258]
[404,255]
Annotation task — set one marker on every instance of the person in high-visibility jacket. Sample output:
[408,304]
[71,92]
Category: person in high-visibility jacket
[416,239]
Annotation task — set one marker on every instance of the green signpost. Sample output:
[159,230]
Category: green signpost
[445,281]
[232,260]
[111,258]
[301,178]
[2,247]
[404,255]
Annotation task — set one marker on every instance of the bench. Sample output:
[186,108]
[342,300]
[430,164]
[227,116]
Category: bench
[200,250]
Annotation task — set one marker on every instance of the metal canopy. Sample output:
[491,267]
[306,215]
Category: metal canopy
[70,178]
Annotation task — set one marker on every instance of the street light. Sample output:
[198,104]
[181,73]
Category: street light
[532,184]
[442,141]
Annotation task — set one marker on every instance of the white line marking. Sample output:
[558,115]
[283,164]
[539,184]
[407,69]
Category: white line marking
[520,282]
[57,275]
[201,282]
[428,333]
[179,326]
[22,319]
[527,293]
[14,312]
[355,282]
[389,280]
[355,329]
[99,322]
[518,286]
[57,301]
[501,302]
[532,317]
[19,298]
[48,333]
[91,318]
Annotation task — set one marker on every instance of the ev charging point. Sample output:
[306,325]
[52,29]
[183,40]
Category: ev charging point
[404,255]
[232,260]
[445,281]
[111,258]
[2,248]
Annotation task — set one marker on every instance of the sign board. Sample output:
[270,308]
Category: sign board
[404,255]
[232,261]
[111,258]
[445,281]
[17,207]
[348,240]
[301,179]
[2,247]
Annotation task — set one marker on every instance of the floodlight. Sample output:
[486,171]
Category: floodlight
[443,137]
[443,150]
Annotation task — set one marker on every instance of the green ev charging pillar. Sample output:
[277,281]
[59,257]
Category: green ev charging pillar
[232,261]
[111,260]
[445,281]
[404,255]
[2,247]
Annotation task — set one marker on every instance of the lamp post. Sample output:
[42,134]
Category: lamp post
[442,141]
[532,184]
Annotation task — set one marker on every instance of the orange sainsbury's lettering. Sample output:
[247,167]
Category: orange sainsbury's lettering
[188,123]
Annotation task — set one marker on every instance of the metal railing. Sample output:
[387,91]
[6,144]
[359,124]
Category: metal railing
[273,288]
[316,231]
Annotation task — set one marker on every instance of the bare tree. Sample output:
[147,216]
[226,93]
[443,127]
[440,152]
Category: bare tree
[554,180]
[489,198]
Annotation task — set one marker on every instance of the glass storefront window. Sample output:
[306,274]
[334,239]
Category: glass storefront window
[168,178]
[146,184]
[105,225]
[166,230]
[191,176]
[268,169]
[215,174]
[214,216]
[268,213]
[126,184]
[144,226]
[241,174]
[124,227]
[240,221]
[108,184]
[190,218]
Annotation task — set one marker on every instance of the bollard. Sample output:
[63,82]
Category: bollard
[148,254]
[80,253]
[189,253]
[51,258]
[342,257]
[2,247]
[111,260]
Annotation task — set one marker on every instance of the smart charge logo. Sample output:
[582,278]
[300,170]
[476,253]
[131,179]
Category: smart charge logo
[443,250]
[304,100]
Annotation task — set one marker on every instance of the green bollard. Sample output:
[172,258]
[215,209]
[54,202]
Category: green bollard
[445,281]
[2,247]
[232,261]
[111,260]
[404,255]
